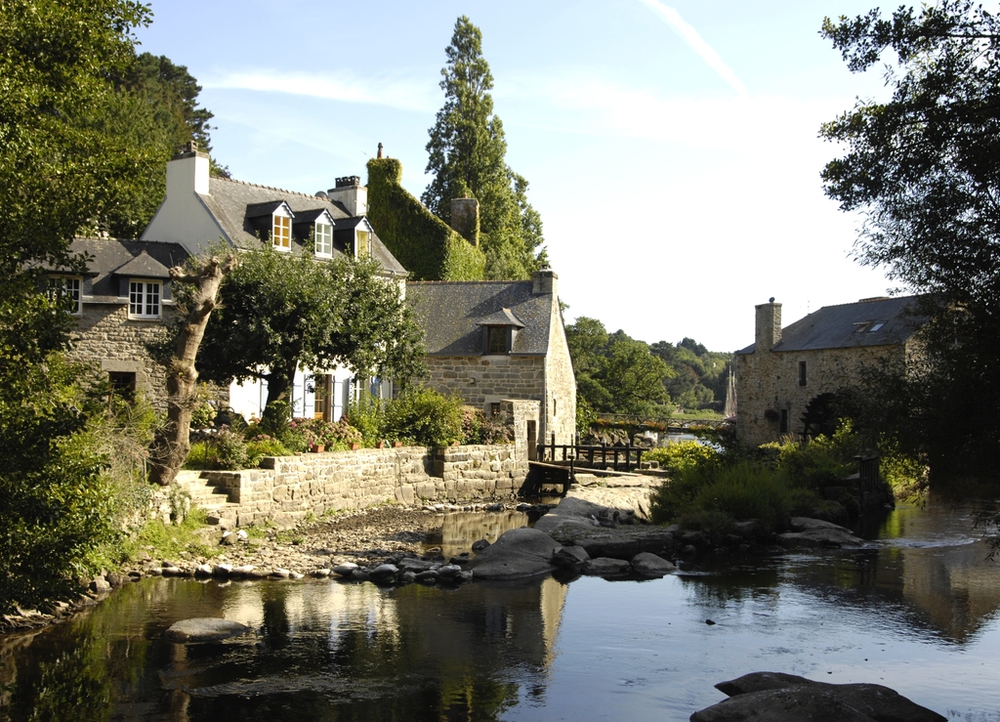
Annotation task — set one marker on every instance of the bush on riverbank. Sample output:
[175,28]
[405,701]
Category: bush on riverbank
[769,484]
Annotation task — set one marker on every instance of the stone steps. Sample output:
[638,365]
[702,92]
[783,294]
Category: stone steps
[208,497]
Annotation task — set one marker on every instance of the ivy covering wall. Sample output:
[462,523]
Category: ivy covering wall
[423,243]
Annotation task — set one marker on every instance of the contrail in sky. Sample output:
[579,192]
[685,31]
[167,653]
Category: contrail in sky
[690,36]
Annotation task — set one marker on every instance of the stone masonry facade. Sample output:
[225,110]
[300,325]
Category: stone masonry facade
[291,489]
[108,339]
[768,384]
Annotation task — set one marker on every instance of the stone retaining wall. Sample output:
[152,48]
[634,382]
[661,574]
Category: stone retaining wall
[290,489]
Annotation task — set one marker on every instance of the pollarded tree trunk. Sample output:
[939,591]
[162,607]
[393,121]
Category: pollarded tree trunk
[172,444]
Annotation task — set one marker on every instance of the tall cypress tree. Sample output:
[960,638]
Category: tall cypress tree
[467,152]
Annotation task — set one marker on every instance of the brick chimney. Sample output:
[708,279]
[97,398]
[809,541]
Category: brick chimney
[768,329]
[351,194]
[465,219]
[543,281]
[187,172]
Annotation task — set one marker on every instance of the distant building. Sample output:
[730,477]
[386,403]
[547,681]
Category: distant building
[786,378]
[491,341]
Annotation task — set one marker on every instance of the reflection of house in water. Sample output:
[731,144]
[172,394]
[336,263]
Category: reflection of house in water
[413,647]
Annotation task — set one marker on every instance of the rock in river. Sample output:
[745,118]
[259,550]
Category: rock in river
[204,629]
[779,697]
[517,554]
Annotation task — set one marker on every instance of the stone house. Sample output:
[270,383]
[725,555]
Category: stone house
[786,378]
[494,341]
[120,305]
[200,211]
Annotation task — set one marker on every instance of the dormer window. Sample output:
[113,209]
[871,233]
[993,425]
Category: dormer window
[324,239]
[66,290]
[144,299]
[496,340]
[499,330]
[363,244]
[281,232]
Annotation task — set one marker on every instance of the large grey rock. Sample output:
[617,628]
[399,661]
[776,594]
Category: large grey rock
[779,697]
[571,557]
[607,567]
[650,565]
[517,554]
[204,629]
[808,532]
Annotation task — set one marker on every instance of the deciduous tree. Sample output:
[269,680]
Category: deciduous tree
[281,312]
[923,167]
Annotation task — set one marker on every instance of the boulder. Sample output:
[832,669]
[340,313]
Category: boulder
[204,629]
[650,565]
[517,554]
[607,567]
[779,697]
[571,557]
[808,532]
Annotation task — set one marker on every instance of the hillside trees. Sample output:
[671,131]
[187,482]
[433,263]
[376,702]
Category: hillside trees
[280,312]
[467,151]
[923,168]
[59,170]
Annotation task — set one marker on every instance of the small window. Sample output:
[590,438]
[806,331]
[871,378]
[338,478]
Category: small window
[495,408]
[496,339]
[144,299]
[122,384]
[324,239]
[875,327]
[364,244]
[555,405]
[802,373]
[783,423]
[281,233]
[66,290]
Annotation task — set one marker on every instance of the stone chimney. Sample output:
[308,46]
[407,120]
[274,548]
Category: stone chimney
[543,281]
[768,330]
[351,194]
[187,172]
[465,219]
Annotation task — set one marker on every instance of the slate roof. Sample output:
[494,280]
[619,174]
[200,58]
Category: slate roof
[450,313]
[111,258]
[871,322]
[234,203]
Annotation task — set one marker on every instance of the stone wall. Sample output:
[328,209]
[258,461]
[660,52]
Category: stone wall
[290,489]
[106,337]
[486,380]
[559,414]
[768,381]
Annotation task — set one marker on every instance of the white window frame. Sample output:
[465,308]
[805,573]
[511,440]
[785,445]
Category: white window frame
[324,239]
[145,298]
[281,232]
[68,287]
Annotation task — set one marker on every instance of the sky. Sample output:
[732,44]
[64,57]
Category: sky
[672,149]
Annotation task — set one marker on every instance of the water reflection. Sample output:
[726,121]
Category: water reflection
[916,611]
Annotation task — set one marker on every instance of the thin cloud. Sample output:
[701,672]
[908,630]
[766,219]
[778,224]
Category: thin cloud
[394,92]
[690,36]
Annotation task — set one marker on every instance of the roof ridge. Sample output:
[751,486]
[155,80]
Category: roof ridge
[269,188]
[876,299]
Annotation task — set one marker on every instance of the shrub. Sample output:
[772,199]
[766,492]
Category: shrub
[478,428]
[425,417]
[368,416]
[682,455]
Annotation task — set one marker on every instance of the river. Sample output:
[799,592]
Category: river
[917,611]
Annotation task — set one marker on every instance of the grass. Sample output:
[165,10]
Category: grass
[173,540]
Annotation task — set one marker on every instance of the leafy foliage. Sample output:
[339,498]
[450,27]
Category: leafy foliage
[426,246]
[60,170]
[923,169]
[281,311]
[425,417]
[467,151]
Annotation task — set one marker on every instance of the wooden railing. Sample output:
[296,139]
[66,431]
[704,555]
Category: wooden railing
[630,457]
